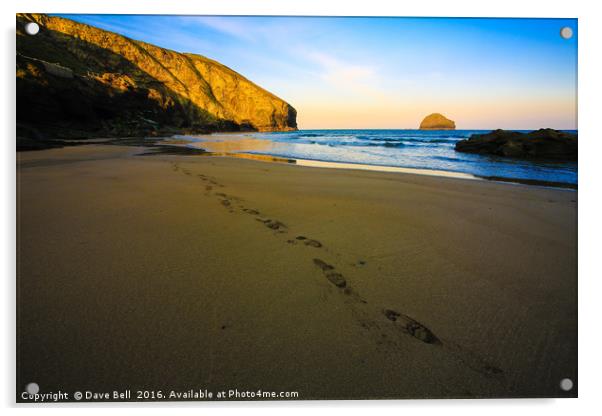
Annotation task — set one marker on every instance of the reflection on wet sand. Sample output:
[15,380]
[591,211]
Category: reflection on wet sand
[230,143]
[233,145]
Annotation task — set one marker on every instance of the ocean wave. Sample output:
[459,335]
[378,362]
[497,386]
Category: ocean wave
[366,139]
[409,148]
[410,139]
[308,135]
[428,140]
[373,143]
[387,144]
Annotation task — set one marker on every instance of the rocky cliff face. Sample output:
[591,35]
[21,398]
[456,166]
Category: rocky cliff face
[540,144]
[74,80]
[437,121]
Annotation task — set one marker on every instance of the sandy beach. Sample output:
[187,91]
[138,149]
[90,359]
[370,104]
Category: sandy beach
[169,272]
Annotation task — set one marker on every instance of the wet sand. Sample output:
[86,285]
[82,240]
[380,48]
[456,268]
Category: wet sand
[171,272]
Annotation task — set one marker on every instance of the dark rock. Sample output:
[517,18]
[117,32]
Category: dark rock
[540,144]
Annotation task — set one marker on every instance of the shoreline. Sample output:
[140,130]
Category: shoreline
[212,142]
[182,146]
[375,168]
[431,172]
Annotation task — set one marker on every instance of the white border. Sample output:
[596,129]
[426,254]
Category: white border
[507,8]
[590,273]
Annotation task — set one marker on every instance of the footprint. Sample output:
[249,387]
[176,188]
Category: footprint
[309,242]
[251,211]
[323,265]
[412,327]
[225,202]
[230,197]
[335,278]
[473,361]
[208,187]
[272,224]
[354,295]
[313,243]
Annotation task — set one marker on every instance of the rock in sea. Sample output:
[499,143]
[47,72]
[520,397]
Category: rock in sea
[437,121]
[540,144]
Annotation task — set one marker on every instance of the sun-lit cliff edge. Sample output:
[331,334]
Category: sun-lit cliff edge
[75,80]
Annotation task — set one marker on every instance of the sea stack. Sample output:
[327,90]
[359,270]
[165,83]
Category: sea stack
[437,121]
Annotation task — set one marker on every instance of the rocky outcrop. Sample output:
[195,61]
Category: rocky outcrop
[437,121]
[74,80]
[541,144]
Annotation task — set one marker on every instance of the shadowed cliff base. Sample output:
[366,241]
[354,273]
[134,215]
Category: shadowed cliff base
[78,82]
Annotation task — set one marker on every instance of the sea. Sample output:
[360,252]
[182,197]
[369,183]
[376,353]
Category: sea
[416,149]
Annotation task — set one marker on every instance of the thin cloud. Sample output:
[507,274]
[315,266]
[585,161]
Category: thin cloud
[337,71]
[232,26]
[346,76]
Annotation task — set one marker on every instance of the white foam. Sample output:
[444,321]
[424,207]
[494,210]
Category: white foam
[378,168]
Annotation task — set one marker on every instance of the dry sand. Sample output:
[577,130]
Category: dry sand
[185,272]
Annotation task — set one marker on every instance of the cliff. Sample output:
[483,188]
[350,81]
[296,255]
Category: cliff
[540,144]
[74,80]
[437,121]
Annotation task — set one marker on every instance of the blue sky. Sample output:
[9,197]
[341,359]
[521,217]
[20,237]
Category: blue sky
[386,72]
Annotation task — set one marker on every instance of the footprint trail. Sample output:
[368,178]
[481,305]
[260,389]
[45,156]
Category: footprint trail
[383,323]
